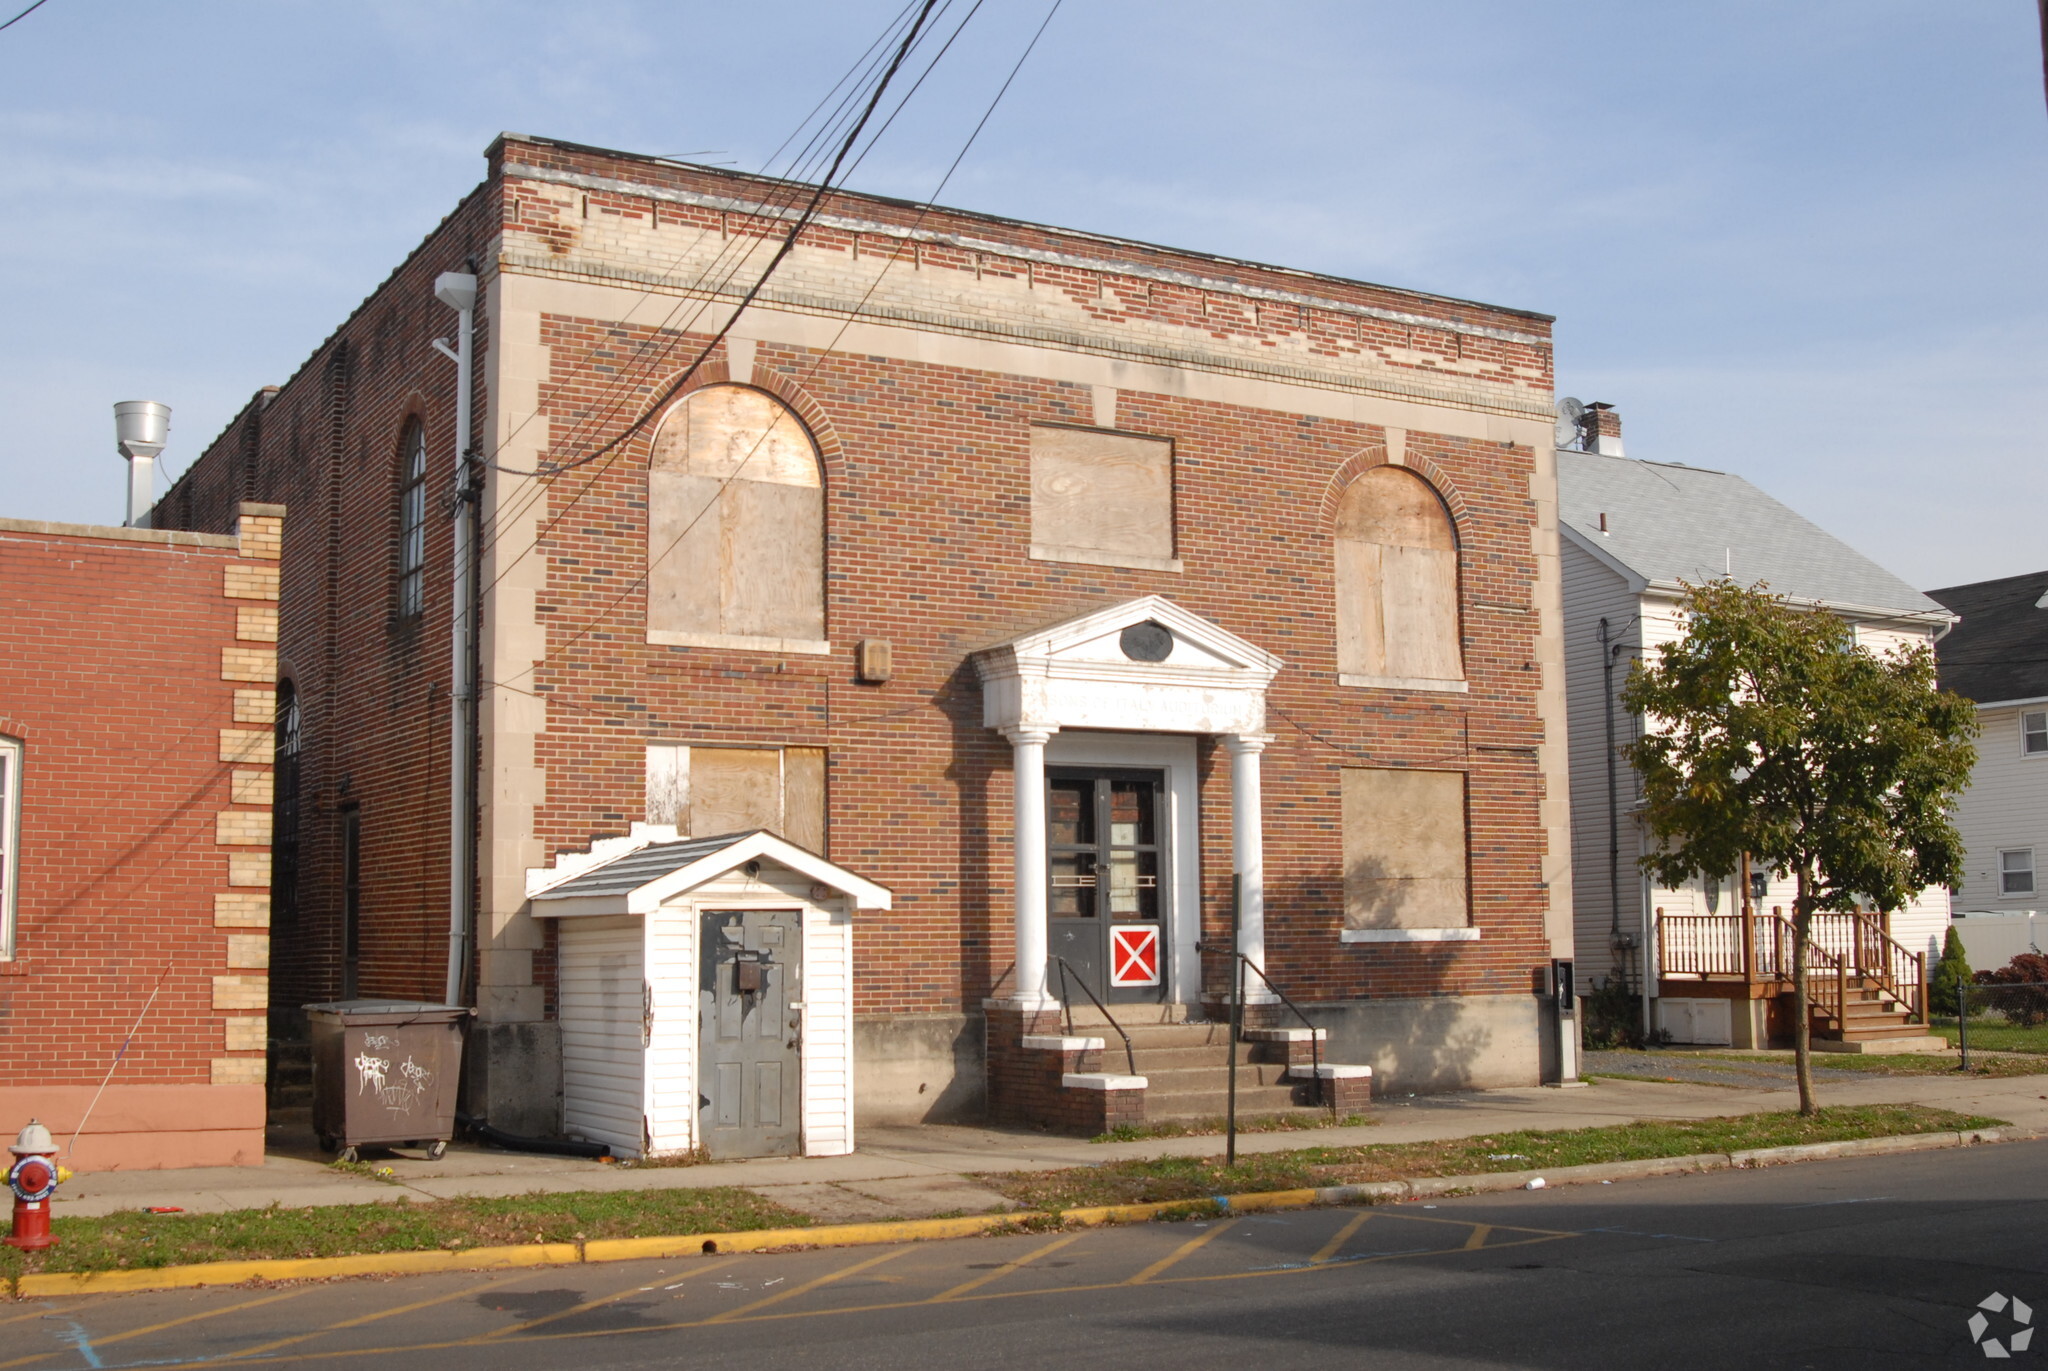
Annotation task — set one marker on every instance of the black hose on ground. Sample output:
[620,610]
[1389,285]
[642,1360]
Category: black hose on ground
[514,1142]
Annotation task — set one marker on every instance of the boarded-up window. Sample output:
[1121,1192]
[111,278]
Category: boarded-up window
[1397,582]
[735,522]
[1404,849]
[1101,497]
[705,791]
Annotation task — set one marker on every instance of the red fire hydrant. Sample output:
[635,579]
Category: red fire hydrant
[33,1178]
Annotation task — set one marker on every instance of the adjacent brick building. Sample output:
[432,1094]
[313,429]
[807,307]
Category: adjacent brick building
[1259,566]
[136,701]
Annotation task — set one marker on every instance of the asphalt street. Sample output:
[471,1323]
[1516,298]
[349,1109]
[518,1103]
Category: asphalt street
[1866,1263]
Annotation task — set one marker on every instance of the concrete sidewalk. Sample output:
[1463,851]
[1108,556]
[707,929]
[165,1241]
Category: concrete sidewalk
[915,1172]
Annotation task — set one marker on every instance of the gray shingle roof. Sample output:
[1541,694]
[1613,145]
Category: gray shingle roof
[628,873]
[2000,649]
[1676,523]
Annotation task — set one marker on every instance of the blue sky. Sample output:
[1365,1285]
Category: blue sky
[1803,242]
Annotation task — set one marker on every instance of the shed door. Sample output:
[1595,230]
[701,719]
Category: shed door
[748,1073]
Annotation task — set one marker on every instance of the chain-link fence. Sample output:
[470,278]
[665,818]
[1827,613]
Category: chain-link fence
[2000,1005]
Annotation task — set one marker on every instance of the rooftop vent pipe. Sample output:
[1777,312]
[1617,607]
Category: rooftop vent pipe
[140,428]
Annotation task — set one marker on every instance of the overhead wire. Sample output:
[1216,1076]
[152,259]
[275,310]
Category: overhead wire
[24,14]
[702,293]
[924,209]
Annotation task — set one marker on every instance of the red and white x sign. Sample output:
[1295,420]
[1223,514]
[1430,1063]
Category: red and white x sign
[1134,955]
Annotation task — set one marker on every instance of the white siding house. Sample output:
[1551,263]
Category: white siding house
[1634,534]
[1998,657]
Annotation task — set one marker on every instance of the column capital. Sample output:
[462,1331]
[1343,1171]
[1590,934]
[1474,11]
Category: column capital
[1029,733]
[1246,742]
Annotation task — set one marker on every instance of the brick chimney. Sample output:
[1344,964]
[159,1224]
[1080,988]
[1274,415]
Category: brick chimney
[1601,428]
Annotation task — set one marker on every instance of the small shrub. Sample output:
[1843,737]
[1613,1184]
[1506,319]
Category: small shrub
[2025,1003]
[1951,971]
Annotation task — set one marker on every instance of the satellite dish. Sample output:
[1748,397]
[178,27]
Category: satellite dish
[1569,412]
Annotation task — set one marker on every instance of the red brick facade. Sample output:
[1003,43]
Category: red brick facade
[136,678]
[927,532]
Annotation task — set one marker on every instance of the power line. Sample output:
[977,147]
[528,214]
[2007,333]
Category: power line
[778,200]
[924,209]
[616,447]
[24,14]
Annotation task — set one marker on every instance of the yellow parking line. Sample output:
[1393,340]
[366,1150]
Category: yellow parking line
[1478,1238]
[1329,1249]
[808,1286]
[979,1281]
[167,1323]
[362,1319]
[1186,1249]
[19,1317]
[597,1303]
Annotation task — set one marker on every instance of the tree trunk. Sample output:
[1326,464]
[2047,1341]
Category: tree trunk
[1802,1024]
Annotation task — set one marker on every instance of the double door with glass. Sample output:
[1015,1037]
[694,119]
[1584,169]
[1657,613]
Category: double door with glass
[1106,895]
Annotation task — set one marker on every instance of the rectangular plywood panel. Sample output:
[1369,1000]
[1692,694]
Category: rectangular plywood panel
[803,797]
[1405,849]
[1419,606]
[733,789]
[772,561]
[1102,492]
[1361,628]
[684,538]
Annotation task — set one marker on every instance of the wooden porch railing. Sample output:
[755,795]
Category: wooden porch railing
[1757,948]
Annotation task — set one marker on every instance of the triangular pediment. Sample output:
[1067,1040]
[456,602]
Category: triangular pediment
[1147,664]
[1098,636]
[635,874]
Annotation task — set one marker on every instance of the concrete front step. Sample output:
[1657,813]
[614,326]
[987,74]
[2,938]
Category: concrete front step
[1210,1104]
[1132,1015]
[1179,1080]
[1908,1042]
[1170,1058]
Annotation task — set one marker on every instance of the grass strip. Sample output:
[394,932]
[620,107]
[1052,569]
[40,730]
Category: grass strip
[1990,1035]
[1202,1128]
[1146,1180]
[131,1241]
[1907,1063]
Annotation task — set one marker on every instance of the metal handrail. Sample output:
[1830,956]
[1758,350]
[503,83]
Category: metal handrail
[1067,1005]
[1315,1047]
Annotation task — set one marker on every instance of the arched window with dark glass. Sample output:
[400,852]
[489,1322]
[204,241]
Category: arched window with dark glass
[412,521]
[284,874]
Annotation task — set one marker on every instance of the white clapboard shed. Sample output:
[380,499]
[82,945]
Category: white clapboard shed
[706,993]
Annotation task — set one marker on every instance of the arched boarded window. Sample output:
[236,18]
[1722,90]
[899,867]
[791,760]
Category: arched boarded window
[1397,584]
[735,526]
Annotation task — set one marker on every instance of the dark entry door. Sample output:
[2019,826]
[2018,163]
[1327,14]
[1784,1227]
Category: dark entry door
[748,1045]
[1106,897]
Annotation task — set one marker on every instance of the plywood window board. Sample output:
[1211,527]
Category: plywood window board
[1405,849]
[704,791]
[1397,581]
[1098,495]
[735,520]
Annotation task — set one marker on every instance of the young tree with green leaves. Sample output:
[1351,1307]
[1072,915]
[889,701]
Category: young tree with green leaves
[1769,730]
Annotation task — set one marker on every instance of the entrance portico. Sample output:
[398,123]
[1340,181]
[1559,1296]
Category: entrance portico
[1145,666]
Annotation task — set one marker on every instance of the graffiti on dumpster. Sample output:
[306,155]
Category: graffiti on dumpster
[374,1076]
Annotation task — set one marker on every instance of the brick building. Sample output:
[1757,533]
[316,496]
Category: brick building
[1244,569]
[136,703]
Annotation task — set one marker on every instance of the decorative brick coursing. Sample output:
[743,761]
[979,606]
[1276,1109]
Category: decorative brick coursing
[247,664]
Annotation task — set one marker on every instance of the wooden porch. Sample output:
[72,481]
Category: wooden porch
[1863,986]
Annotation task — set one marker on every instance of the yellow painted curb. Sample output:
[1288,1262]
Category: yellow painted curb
[825,1235]
[296,1269]
[829,1235]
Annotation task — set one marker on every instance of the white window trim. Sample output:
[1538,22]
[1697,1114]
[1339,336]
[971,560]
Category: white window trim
[1084,556]
[10,840]
[2023,733]
[2033,875]
[739,642]
[1409,935]
[1456,687]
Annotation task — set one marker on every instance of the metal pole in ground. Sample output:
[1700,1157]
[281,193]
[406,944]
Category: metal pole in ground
[1963,1022]
[1236,1021]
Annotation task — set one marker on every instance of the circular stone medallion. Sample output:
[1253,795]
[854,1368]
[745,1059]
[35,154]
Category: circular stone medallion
[1147,642]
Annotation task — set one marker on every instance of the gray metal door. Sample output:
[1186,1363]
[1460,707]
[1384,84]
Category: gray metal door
[1106,889]
[748,1078]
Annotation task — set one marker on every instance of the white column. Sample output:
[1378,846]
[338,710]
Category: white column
[1248,856]
[1027,769]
